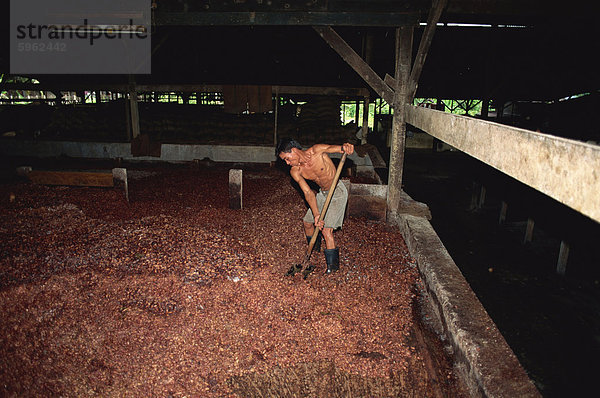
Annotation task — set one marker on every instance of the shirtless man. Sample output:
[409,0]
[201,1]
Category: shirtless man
[314,164]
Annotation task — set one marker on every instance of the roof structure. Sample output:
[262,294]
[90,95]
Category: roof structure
[505,49]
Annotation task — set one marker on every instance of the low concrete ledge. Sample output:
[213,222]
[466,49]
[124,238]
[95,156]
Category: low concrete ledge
[168,153]
[408,205]
[116,177]
[487,364]
[370,201]
[112,150]
[367,200]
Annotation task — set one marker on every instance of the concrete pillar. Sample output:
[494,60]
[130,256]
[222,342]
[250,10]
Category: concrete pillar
[235,189]
[120,175]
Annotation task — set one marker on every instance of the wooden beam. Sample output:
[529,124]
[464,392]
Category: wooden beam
[341,91]
[363,69]
[390,81]
[432,20]
[564,169]
[74,178]
[207,88]
[286,18]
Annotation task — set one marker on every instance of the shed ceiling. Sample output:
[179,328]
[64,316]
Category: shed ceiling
[551,54]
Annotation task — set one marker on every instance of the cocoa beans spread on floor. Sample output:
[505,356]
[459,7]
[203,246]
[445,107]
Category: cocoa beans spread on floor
[176,295]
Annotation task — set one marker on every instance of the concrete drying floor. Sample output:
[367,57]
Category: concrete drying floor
[551,322]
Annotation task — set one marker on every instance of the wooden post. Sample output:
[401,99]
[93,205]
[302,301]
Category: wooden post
[474,196]
[406,78]
[276,116]
[235,189]
[503,209]
[485,108]
[365,123]
[404,39]
[528,231]
[135,116]
[563,255]
[481,200]
[499,109]
[477,196]
[127,120]
[133,108]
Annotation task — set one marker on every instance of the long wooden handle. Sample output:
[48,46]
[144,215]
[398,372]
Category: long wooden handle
[326,204]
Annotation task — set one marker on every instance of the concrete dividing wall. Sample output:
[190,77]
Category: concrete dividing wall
[169,152]
[483,358]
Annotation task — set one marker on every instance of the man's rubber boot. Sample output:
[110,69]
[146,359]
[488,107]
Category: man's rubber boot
[332,257]
[317,246]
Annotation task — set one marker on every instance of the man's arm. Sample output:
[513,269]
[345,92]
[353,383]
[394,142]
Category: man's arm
[325,148]
[309,194]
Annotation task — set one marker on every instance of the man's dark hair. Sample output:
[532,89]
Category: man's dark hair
[286,145]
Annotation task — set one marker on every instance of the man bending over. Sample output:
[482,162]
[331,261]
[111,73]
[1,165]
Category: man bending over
[314,164]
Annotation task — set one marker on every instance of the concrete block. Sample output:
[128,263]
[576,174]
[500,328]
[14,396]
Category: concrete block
[235,189]
[23,171]
[120,179]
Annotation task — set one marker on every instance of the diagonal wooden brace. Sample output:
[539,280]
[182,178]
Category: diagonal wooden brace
[363,69]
